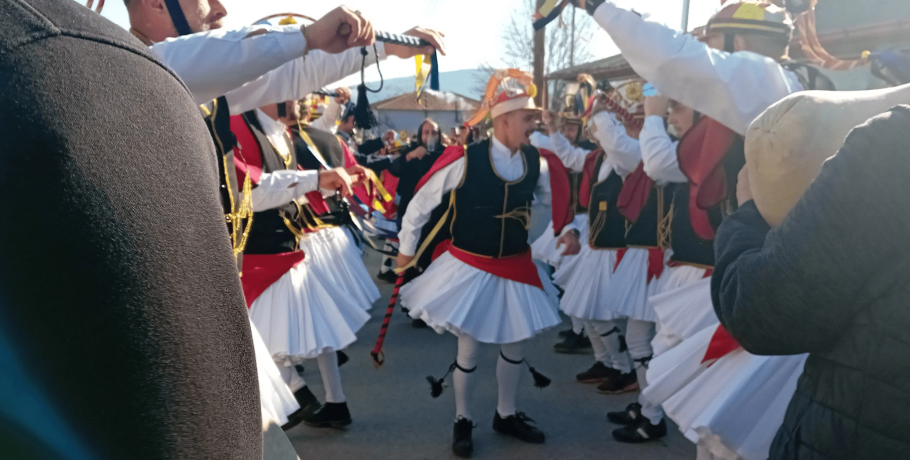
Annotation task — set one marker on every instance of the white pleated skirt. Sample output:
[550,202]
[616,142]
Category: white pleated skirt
[456,297]
[630,289]
[304,314]
[276,398]
[567,264]
[586,291]
[743,419]
[683,311]
[544,248]
[333,252]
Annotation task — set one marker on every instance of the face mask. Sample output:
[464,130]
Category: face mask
[431,144]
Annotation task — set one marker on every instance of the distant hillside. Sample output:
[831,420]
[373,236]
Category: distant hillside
[465,82]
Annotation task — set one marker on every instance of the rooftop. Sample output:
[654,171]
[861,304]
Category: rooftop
[430,101]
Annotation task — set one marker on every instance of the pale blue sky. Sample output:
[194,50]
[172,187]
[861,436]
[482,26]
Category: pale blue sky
[472,27]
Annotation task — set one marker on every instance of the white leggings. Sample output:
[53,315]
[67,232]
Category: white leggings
[508,376]
[638,336]
[331,378]
[605,340]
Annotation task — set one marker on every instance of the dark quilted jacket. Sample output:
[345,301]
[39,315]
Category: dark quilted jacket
[833,280]
[122,321]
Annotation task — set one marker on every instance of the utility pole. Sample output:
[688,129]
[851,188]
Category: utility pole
[572,41]
[539,57]
[685,16]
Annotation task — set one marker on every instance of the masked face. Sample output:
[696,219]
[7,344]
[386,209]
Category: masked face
[681,118]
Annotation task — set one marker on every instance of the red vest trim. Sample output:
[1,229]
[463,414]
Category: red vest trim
[262,270]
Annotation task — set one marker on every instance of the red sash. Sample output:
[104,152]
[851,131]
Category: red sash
[262,270]
[722,344]
[701,153]
[655,261]
[390,183]
[518,268]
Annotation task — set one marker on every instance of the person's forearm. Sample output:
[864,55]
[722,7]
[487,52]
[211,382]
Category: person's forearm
[215,62]
[658,152]
[572,157]
[300,77]
[730,88]
[281,187]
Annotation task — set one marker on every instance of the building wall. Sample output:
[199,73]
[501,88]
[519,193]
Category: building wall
[410,120]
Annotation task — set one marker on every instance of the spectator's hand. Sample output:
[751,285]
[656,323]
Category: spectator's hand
[417,153]
[357,173]
[549,118]
[339,30]
[570,241]
[344,95]
[657,105]
[402,260]
[743,189]
[407,52]
[336,179]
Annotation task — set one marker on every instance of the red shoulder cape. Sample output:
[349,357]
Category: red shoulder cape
[587,177]
[449,155]
[559,190]
[634,194]
[701,152]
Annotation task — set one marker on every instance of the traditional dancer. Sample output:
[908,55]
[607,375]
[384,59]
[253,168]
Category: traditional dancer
[484,287]
[585,287]
[545,247]
[730,77]
[242,59]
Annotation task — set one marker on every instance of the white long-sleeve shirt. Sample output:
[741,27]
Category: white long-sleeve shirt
[730,88]
[508,166]
[299,77]
[623,152]
[217,61]
[279,188]
[658,152]
[253,71]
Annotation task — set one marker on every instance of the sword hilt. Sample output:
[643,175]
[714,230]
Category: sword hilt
[387,37]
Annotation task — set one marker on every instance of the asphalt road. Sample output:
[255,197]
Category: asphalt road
[396,418]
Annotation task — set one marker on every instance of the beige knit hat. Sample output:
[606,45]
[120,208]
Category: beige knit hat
[787,144]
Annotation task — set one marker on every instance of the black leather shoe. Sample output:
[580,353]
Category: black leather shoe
[331,415]
[308,404]
[418,324]
[462,445]
[630,416]
[641,432]
[566,333]
[517,426]
[597,373]
[622,383]
[574,344]
[388,277]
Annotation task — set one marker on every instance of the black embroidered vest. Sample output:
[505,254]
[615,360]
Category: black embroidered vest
[492,215]
[271,232]
[650,230]
[606,225]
